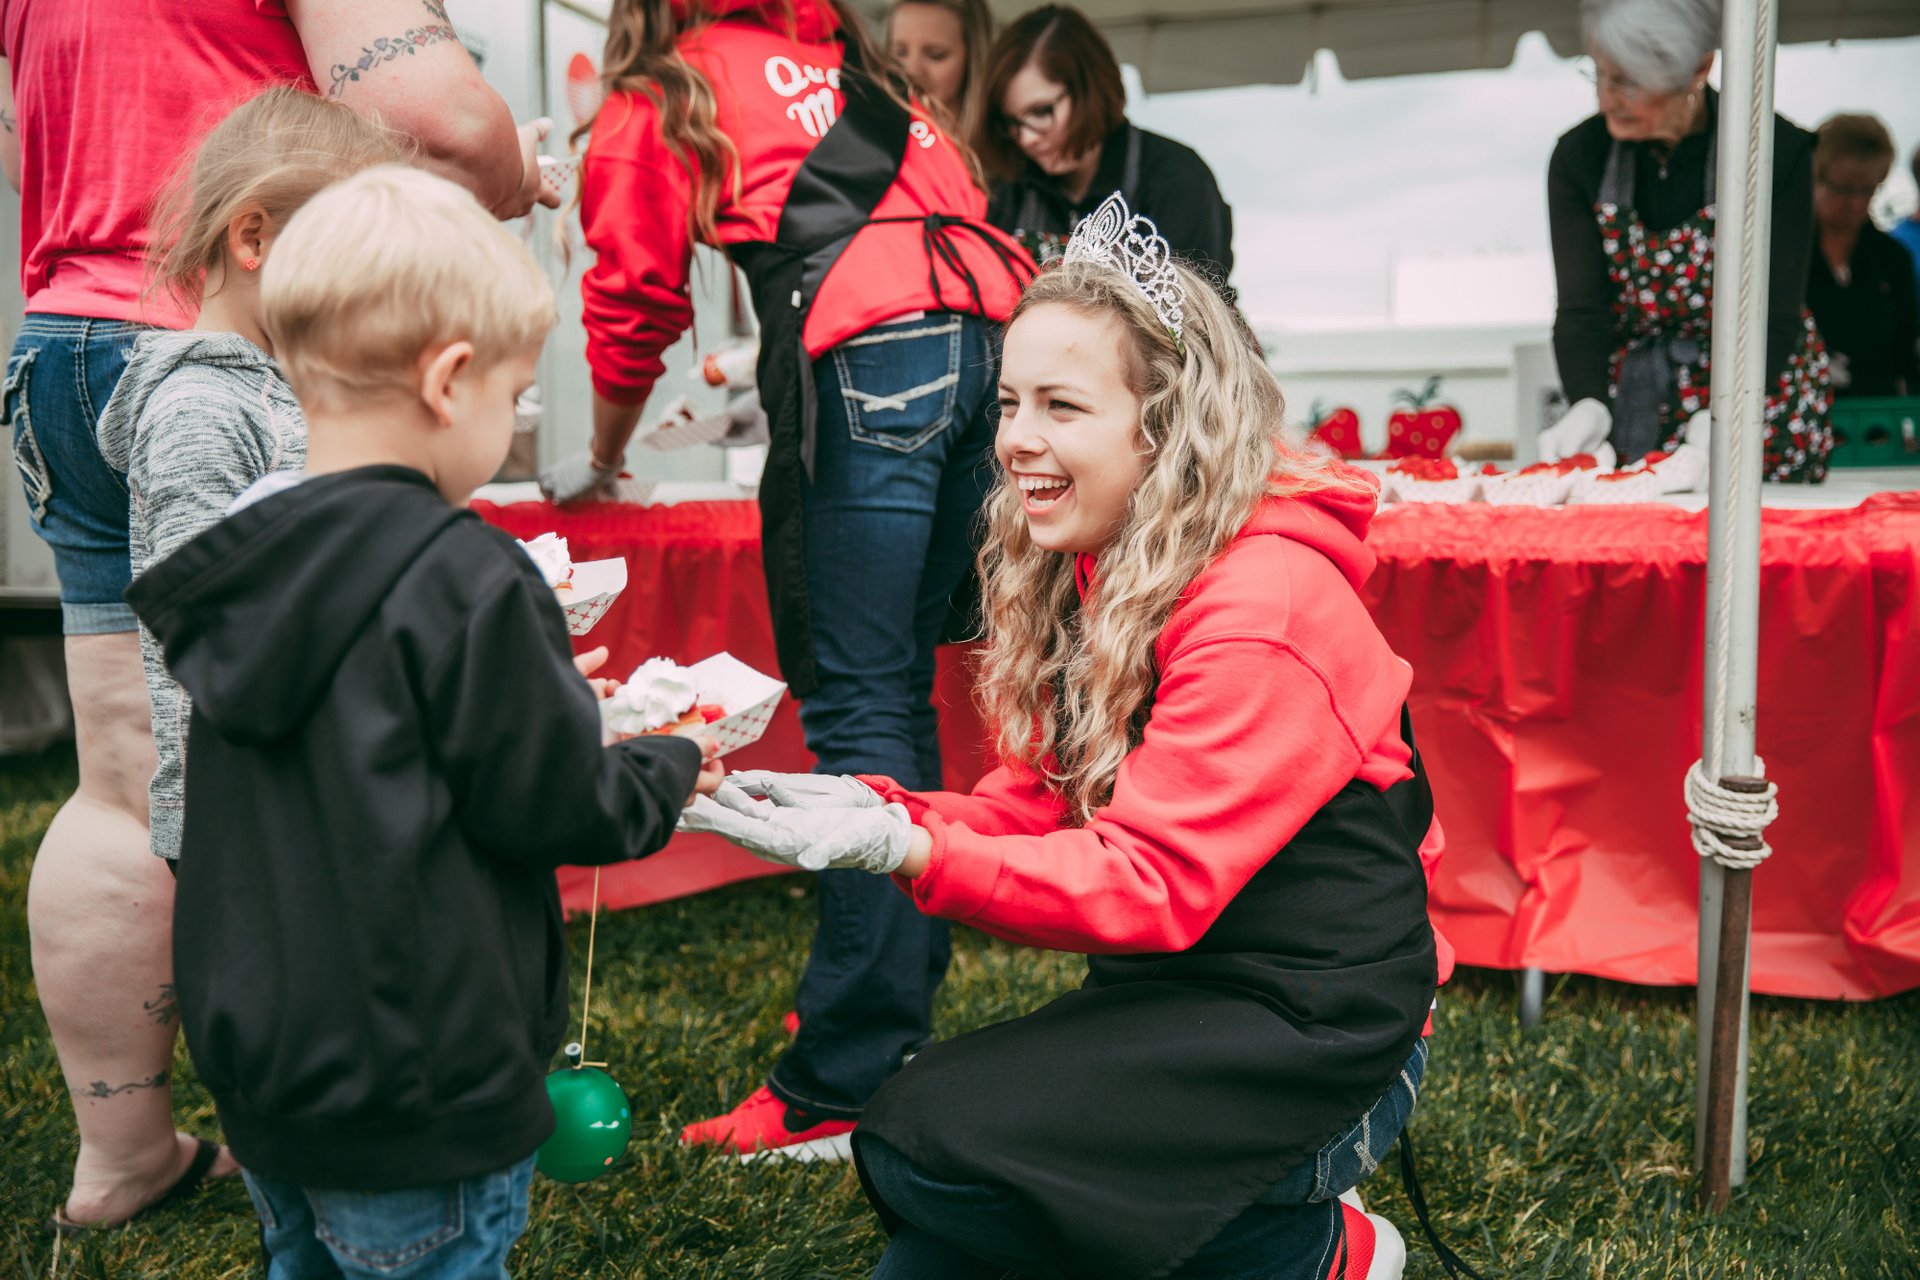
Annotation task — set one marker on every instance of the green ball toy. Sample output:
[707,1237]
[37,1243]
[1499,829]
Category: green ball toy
[591,1123]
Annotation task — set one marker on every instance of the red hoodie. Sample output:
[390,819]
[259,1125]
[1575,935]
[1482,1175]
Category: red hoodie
[775,97]
[1276,689]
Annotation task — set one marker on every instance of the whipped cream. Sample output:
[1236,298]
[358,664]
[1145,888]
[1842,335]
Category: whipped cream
[658,693]
[549,552]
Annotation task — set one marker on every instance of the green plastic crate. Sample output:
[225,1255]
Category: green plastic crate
[1872,432]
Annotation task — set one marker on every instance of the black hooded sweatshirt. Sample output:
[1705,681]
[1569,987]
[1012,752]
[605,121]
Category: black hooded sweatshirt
[392,751]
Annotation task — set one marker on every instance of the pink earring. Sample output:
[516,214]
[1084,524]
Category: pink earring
[251,263]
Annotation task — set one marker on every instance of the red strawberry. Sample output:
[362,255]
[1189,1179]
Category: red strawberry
[1422,429]
[711,711]
[1338,428]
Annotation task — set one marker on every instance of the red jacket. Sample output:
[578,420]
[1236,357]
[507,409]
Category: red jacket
[1276,689]
[775,97]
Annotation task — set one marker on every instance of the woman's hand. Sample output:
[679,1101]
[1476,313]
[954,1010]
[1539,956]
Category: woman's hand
[875,840]
[807,790]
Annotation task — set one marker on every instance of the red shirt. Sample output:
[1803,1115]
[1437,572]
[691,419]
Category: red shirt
[1276,689]
[109,96]
[775,97]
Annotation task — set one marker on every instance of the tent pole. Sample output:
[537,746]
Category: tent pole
[1749,36]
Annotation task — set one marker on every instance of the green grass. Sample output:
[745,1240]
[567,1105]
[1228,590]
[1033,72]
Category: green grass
[1564,1152]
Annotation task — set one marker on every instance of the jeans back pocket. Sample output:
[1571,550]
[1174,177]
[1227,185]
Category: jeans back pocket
[899,382]
[15,412]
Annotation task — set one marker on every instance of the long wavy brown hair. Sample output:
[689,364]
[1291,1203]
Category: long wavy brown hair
[1067,685]
[642,56]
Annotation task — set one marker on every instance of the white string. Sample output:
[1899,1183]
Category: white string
[1728,824]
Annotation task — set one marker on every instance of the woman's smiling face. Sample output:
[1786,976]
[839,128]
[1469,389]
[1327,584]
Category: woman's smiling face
[1069,436]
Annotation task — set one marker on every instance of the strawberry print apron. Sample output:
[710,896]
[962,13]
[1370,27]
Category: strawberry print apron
[1664,316]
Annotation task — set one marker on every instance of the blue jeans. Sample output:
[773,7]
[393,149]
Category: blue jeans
[454,1231]
[60,375]
[901,466]
[976,1231]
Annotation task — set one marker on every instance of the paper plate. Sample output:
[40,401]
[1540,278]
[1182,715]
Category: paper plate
[1463,489]
[596,584]
[1541,489]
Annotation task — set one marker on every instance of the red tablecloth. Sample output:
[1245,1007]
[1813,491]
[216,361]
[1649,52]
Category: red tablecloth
[1557,693]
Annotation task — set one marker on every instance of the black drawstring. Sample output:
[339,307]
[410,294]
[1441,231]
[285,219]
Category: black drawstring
[936,239]
[1411,1180]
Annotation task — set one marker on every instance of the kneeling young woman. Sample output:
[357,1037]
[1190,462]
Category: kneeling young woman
[1207,786]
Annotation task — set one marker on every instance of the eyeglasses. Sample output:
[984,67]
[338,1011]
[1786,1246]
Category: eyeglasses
[1040,119]
[1610,83]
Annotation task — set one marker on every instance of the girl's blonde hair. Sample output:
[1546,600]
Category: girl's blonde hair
[976,40]
[273,152]
[1066,685]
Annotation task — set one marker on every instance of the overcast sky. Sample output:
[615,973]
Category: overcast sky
[1329,184]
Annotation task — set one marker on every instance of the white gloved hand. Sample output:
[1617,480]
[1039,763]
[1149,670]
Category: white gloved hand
[1583,429]
[873,840]
[576,478]
[1699,432]
[806,790]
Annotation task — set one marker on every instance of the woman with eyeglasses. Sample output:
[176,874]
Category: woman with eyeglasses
[1861,284]
[1057,142]
[1630,198]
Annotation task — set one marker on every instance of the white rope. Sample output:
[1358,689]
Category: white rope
[1730,815]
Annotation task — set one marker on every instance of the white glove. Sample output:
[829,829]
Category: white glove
[746,420]
[812,839]
[1583,429]
[1699,432]
[577,478]
[806,790]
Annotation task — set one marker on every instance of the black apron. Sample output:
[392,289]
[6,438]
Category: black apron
[832,199]
[1142,1113]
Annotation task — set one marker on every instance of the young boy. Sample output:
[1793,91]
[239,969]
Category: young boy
[392,750]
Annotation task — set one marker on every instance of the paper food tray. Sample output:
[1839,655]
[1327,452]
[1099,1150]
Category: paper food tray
[1463,489]
[748,697]
[596,584]
[1541,489]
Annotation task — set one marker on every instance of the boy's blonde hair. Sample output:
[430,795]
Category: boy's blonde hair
[1067,687]
[380,267]
[273,152]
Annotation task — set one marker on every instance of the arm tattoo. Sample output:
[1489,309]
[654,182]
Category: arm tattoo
[165,1008]
[6,121]
[101,1089]
[438,10]
[391,48]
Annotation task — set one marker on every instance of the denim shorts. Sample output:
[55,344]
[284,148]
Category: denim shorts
[59,377]
[453,1230]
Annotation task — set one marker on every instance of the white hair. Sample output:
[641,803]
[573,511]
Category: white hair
[1657,44]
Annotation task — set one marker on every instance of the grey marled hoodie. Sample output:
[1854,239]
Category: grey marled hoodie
[195,419]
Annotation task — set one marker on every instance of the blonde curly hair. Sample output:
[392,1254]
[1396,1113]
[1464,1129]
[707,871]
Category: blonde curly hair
[1066,686]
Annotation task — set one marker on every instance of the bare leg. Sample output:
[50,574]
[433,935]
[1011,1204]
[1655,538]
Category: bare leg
[100,913]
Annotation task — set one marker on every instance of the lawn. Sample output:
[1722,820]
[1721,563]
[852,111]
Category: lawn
[1560,1152]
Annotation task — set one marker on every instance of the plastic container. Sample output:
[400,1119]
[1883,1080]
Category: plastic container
[1876,432]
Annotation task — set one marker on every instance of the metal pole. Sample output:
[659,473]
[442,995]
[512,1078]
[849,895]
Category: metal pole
[1749,35]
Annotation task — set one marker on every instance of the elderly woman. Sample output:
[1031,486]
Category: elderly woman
[1630,196]
[1861,285]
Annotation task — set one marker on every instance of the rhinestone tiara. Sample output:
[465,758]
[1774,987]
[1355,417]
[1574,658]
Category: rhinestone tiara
[1114,236]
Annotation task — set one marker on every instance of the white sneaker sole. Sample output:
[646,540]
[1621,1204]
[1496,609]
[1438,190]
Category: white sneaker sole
[1389,1250]
[837,1148]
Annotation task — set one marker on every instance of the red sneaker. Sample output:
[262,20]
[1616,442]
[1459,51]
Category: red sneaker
[764,1125]
[1375,1250]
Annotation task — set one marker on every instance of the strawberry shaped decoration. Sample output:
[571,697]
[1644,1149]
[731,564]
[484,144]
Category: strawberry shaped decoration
[1424,428]
[1337,428]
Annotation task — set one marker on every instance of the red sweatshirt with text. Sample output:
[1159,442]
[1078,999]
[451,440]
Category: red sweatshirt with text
[1276,689]
[776,95]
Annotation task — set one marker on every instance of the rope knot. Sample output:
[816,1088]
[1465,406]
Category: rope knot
[1729,816]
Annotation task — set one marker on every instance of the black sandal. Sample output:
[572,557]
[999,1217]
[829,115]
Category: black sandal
[203,1157]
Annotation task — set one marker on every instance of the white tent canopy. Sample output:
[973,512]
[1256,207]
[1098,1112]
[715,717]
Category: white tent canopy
[1213,44]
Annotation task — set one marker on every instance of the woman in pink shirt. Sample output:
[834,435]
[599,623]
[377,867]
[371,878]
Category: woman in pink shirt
[98,103]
